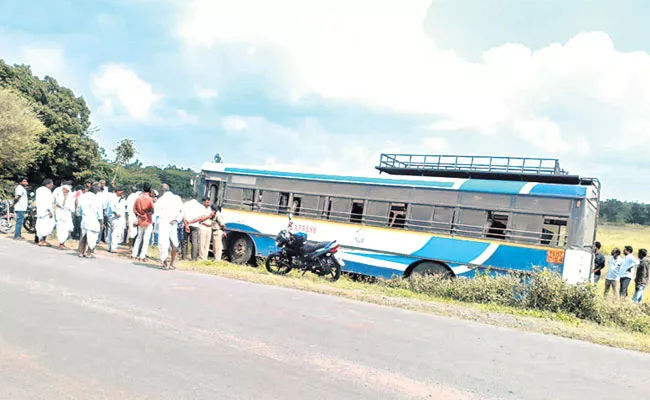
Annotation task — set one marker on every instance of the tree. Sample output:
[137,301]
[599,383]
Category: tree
[68,150]
[20,130]
[124,153]
[217,158]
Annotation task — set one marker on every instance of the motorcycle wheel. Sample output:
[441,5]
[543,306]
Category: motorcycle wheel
[29,224]
[335,272]
[278,265]
[6,225]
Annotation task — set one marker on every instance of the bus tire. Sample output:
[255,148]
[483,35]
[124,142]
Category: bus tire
[240,249]
[427,268]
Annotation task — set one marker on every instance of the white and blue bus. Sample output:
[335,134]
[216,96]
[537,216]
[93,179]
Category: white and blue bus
[447,220]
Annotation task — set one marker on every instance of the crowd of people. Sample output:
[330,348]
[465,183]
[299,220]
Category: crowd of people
[95,213]
[622,269]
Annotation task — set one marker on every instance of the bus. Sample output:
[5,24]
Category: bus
[453,215]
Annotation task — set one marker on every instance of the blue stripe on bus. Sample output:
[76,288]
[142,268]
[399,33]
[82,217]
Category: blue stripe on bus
[521,259]
[559,190]
[442,248]
[470,185]
[340,178]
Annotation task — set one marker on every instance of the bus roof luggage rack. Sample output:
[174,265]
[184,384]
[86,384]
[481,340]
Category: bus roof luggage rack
[526,169]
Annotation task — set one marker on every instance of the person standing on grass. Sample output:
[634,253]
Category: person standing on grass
[611,280]
[76,216]
[218,232]
[44,212]
[599,262]
[20,207]
[143,209]
[626,272]
[92,218]
[65,208]
[194,213]
[205,231]
[641,278]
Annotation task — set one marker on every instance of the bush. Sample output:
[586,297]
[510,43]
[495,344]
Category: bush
[541,290]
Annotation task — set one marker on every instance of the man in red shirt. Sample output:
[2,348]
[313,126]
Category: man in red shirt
[143,209]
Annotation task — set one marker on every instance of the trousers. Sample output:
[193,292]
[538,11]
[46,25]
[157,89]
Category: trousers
[143,239]
[204,242]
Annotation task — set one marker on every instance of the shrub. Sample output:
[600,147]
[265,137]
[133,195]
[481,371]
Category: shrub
[542,290]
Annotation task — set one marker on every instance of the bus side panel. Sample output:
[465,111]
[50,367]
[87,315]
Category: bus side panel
[577,265]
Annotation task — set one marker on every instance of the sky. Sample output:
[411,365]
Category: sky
[329,85]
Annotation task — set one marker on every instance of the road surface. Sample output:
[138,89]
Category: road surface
[110,329]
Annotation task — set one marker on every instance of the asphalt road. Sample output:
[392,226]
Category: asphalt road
[109,329]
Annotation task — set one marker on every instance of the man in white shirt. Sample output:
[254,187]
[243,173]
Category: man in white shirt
[20,207]
[132,219]
[115,217]
[92,219]
[44,212]
[168,209]
[64,204]
[194,213]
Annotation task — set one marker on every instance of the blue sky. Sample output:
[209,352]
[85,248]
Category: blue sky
[330,85]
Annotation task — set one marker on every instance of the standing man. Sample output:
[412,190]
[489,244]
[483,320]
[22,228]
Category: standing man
[611,280]
[205,232]
[132,219]
[44,212]
[20,207]
[599,262]
[629,263]
[76,216]
[641,278]
[218,232]
[194,213]
[65,207]
[92,219]
[169,210]
[115,216]
[143,209]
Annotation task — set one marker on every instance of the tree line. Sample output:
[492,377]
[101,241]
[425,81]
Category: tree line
[617,211]
[45,132]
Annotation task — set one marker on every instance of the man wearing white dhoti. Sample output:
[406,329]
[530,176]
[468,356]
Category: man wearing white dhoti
[64,204]
[132,219]
[169,210]
[92,218]
[44,212]
[115,215]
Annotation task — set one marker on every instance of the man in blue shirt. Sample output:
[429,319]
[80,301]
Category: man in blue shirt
[626,272]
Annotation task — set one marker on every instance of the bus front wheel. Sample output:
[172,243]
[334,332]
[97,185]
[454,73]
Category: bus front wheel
[240,250]
[428,268]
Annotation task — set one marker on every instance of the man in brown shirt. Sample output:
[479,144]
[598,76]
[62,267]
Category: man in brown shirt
[143,209]
[218,232]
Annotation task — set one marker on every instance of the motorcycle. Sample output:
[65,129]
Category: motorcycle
[30,217]
[296,252]
[7,217]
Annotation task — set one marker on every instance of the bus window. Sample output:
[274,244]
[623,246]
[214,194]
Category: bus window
[356,216]
[420,217]
[377,213]
[554,231]
[309,205]
[214,191]
[268,201]
[526,228]
[233,196]
[283,205]
[248,199]
[397,216]
[497,223]
[470,223]
[295,205]
[339,209]
[443,218]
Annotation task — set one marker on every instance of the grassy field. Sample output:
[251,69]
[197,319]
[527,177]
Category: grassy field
[556,323]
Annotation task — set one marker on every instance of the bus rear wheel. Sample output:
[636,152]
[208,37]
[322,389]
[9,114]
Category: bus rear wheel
[429,268]
[240,250]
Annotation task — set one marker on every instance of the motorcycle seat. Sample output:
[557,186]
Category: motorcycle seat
[312,247]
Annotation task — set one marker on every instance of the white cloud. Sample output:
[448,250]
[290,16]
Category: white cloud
[119,89]
[379,56]
[207,94]
[234,124]
[436,144]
